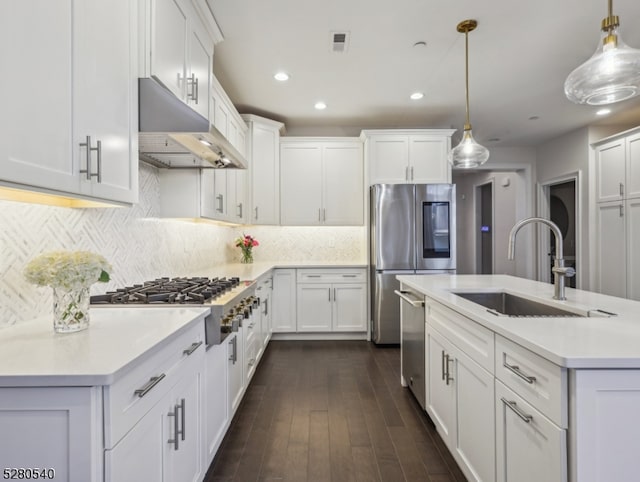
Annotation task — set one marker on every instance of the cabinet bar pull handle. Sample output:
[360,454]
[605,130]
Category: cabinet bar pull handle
[313,276]
[153,381]
[329,291]
[415,303]
[515,369]
[516,410]
[349,275]
[324,215]
[220,199]
[266,307]
[192,348]
[256,209]
[98,150]
[182,417]
[235,349]
[175,440]
[621,210]
[444,375]
[621,189]
[240,210]
[334,294]
[232,358]
[449,377]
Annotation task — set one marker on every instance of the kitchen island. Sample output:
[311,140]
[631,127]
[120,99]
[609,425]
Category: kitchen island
[532,398]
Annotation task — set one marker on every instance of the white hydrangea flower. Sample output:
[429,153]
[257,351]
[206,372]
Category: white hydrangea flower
[67,269]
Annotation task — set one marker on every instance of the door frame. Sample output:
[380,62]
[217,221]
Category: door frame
[476,222]
[543,237]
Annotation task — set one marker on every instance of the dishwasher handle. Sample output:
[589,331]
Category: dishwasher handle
[418,303]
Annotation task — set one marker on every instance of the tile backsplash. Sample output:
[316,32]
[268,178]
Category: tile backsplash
[141,246]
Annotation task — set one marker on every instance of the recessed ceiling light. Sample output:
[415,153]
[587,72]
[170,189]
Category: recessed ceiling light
[603,112]
[281,76]
[416,96]
[320,105]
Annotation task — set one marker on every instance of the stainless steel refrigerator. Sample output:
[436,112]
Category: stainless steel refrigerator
[412,231]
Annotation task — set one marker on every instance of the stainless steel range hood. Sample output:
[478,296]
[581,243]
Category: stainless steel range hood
[173,135]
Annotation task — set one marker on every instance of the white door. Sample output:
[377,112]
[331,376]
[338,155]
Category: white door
[388,158]
[36,47]
[105,99]
[216,396]
[610,171]
[633,166]
[529,448]
[441,394]
[300,184]
[265,174]
[168,45]
[184,458]
[475,433]
[349,307]
[314,307]
[611,263]
[342,196]
[428,160]
[632,225]
[200,68]
[283,311]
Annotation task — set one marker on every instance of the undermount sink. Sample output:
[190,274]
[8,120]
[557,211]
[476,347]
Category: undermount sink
[506,304]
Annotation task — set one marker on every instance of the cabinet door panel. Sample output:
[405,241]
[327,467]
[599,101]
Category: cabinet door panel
[200,70]
[527,451]
[610,170]
[610,258]
[284,300]
[632,225]
[388,159]
[314,307]
[342,196]
[168,42]
[441,402]
[216,396]
[265,174]
[633,166]
[105,96]
[236,373]
[45,46]
[475,438]
[349,307]
[428,160]
[300,185]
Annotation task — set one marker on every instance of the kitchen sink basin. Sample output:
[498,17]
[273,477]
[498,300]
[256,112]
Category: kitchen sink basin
[505,304]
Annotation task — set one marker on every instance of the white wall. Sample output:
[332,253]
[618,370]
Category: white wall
[140,246]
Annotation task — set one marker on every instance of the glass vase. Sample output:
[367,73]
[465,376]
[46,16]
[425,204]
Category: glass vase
[247,257]
[70,310]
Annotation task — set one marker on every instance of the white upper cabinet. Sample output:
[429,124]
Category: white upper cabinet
[77,134]
[321,181]
[180,51]
[263,154]
[618,167]
[407,156]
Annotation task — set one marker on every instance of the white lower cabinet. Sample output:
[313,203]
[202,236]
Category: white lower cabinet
[529,447]
[331,300]
[264,293]
[235,371]
[460,395]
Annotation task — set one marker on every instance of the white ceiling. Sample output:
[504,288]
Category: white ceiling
[519,57]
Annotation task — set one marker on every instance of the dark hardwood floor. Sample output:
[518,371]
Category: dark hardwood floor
[331,410]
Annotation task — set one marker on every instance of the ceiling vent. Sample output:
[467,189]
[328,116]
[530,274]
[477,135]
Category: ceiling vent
[339,42]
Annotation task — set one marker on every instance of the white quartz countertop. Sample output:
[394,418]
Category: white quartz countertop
[572,342]
[31,354]
[257,269]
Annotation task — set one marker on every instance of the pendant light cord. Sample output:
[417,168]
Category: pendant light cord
[467,125]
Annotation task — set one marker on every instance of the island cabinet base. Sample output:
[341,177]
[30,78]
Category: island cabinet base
[52,433]
[605,425]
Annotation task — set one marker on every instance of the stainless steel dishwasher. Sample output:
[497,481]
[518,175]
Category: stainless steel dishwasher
[412,320]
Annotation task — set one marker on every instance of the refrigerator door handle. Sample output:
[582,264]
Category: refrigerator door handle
[418,303]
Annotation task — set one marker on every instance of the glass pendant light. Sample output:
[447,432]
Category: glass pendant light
[611,75]
[468,153]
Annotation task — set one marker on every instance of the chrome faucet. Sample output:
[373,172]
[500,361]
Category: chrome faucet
[560,271]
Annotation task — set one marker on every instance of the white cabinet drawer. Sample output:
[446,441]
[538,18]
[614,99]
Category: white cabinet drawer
[337,275]
[537,380]
[473,339]
[132,396]
[529,447]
